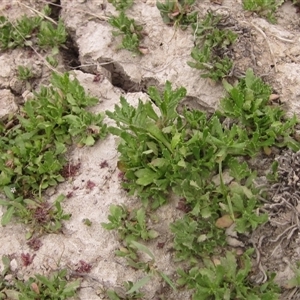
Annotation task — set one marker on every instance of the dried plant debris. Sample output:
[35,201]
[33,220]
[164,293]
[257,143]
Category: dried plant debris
[285,192]
[289,170]
[284,206]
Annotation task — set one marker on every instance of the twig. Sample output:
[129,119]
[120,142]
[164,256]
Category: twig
[291,294]
[194,35]
[275,249]
[38,13]
[257,248]
[291,233]
[39,55]
[270,49]
[283,233]
[283,39]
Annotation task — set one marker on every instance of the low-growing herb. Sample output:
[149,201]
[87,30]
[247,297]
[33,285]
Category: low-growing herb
[130,31]
[121,5]
[211,47]
[57,286]
[196,237]
[130,225]
[227,278]
[39,215]
[24,73]
[247,104]
[177,12]
[33,149]
[264,8]
[26,30]
[147,146]
[148,267]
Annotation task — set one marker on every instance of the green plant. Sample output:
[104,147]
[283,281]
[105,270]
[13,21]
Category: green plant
[189,153]
[264,8]
[247,104]
[19,34]
[24,73]
[131,32]
[57,286]
[121,5]
[215,67]
[196,237]
[147,147]
[272,176]
[52,61]
[149,267]
[24,31]
[167,151]
[39,215]
[51,36]
[5,284]
[177,12]
[212,45]
[295,280]
[226,279]
[128,285]
[241,204]
[33,147]
[130,225]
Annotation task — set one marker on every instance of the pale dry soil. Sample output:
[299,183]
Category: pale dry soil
[271,50]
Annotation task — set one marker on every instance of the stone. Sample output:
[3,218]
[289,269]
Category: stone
[27,95]
[17,86]
[8,105]
[5,70]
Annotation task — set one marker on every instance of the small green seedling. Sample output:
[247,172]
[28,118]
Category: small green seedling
[214,67]
[52,61]
[295,280]
[264,8]
[212,44]
[40,216]
[57,286]
[87,222]
[248,102]
[130,31]
[123,295]
[241,204]
[24,73]
[227,279]
[5,285]
[196,237]
[148,267]
[27,30]
[18,34]
[177,12]
[130,225]
[33,149]
[121,5]
[50,35]
[272,176]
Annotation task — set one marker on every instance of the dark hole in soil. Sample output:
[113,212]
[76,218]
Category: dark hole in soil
[55,9]
[70,54]
[121,79]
